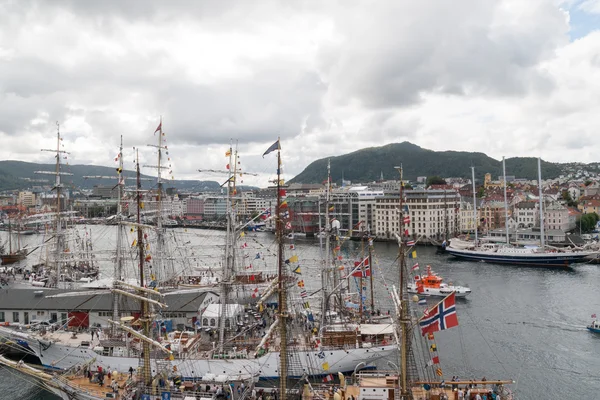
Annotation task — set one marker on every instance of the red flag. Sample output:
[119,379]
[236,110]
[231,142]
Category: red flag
[436,360]
[442,316]
[252,277]
[159,127]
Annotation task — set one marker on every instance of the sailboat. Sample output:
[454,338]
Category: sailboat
[541,256]
[13,256]
[85,381]
[407,381]
[232,356]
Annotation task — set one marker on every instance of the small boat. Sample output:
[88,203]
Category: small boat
[432,284]
[594,326]
[13,257]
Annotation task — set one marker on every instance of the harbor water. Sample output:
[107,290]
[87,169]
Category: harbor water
[520,323]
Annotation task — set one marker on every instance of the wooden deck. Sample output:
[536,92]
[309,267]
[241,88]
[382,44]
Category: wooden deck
[82,383]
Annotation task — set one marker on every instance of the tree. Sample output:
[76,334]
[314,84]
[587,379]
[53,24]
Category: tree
[566,196]
[435,180]
[588,222]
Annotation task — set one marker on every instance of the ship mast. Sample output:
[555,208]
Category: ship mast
[505,201]
[229,254]
[370,244]
[282,281]
[404,315]
[541,198]
[474,204]
[326,270]
[160,274]
[57,186]
[144,317]
[118,271]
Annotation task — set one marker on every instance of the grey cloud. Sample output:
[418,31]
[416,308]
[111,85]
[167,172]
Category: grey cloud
[274,103]
[402,50]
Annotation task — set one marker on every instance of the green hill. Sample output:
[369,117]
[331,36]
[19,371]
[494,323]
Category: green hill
[368,164]
[21,175]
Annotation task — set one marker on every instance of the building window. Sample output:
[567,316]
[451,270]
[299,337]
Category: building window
[212,322]
[15,316]
[1,316]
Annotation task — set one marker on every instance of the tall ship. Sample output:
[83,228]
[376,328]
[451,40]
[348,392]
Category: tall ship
[418,373]
[542,256]
[229,346]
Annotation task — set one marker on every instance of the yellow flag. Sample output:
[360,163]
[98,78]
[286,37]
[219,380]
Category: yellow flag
[227,153]
[325,366]
[242,234]
[260,307]
[294,259]
[134,243]
[141,205]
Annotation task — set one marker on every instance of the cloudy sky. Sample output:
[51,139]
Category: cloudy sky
[505,77]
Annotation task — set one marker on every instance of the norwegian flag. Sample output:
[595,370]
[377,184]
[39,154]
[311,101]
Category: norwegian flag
[407,220]
[442,316]
[266,214]
[328,378]
[365,272]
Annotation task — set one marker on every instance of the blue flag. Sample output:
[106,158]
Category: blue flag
[274,146]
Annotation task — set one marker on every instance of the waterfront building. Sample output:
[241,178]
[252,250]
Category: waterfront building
[433,214]
[26,199]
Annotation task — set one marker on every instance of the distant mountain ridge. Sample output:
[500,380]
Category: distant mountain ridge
[20,175]
[367,165]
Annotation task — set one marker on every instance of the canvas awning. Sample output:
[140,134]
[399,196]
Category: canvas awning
[376,329]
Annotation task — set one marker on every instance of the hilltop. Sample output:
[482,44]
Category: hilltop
[367,165]
[16,175]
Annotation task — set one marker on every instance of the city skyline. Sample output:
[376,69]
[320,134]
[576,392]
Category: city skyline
[503,77]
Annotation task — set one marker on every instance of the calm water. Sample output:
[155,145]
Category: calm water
[525,324]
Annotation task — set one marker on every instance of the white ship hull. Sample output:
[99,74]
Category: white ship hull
[440,292]
[61,357]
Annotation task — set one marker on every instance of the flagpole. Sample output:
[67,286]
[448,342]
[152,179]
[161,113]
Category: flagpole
[371,266]
[283,357]
[404,317]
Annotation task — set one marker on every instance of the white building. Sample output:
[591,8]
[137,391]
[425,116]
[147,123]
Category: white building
[556,217]
[527,214]
[433,213]
[366,202]
[466,218]
[210,317]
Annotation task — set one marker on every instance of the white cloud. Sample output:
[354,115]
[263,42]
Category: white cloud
[500,77]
